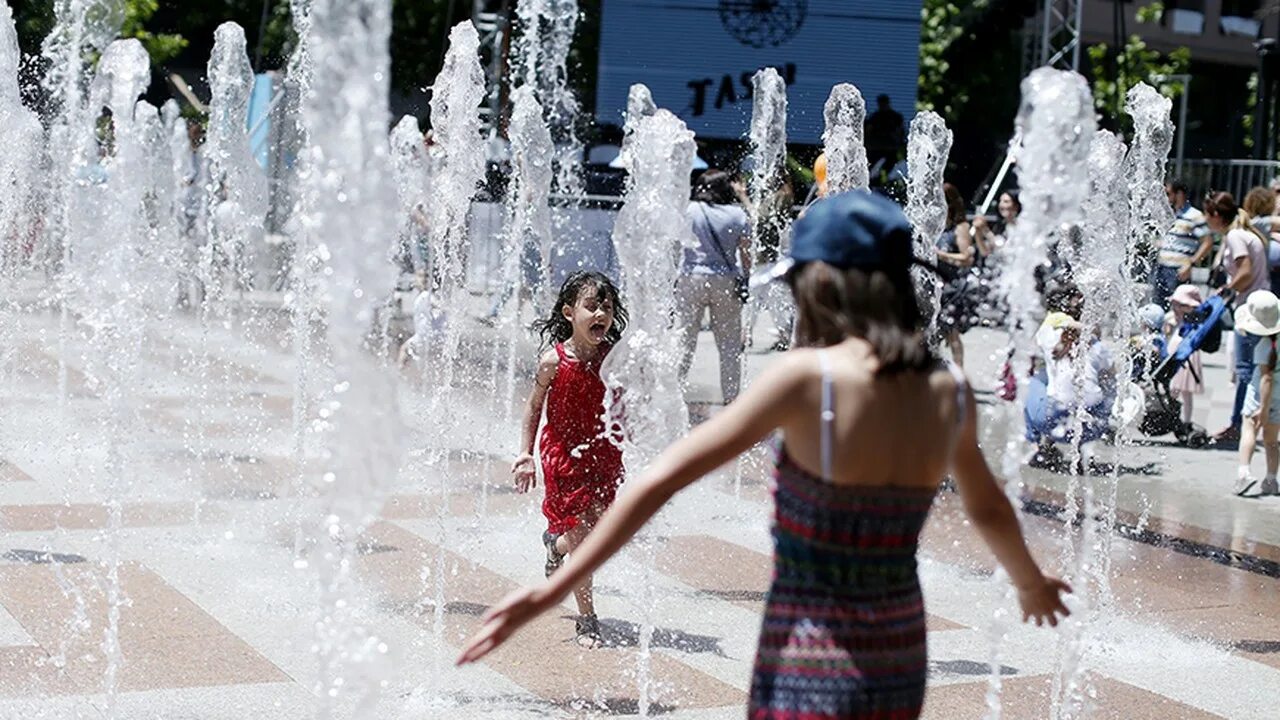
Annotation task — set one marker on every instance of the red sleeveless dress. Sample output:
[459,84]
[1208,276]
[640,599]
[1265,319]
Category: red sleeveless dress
[581,468]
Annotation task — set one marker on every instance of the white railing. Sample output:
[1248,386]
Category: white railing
[1234,176]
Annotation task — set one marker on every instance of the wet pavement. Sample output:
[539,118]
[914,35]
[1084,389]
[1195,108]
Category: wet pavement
[1179,583]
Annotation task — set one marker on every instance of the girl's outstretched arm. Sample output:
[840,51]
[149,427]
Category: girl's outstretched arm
[523,470]
[768,403]
[989,509]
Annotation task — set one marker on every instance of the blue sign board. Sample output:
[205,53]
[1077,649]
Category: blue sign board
[698,56]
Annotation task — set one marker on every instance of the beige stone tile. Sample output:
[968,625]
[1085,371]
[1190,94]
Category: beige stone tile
[84,516]
[166,641]
[42,367]
[1028,698]
[9,472]
[544,659]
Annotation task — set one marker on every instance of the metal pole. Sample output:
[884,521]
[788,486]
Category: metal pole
[1045,40]
[1182,122]
[1078,23]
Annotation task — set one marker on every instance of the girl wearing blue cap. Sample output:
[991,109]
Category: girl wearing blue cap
[844,631]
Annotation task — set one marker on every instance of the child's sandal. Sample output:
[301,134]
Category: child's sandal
[588,630]
[555,558]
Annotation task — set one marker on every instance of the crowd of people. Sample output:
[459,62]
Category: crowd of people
[1221,259]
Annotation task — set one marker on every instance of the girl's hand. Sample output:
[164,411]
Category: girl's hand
[502,621]
[524,473]
[1043,601]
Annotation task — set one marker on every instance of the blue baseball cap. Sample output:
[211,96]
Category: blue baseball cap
[851,229]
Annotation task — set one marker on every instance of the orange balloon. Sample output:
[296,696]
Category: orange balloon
[820,173]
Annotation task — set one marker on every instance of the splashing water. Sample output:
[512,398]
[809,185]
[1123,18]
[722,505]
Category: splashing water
[928,147]
[346,117]
[644,407]
[1056,125]
[1149,208]
[20,136]
[1099,263]
[237,190]
[547,30]
[846,116]
[768,133]
[455,120]
[119,317]
[528,208]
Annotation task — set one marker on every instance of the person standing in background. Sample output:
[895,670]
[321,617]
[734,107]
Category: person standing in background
[1187,243]
[713,275]
[1244,257]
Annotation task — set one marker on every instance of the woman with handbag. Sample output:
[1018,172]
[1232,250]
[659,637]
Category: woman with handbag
[713,276]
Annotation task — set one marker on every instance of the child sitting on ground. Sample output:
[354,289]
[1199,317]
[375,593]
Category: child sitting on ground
[581,467]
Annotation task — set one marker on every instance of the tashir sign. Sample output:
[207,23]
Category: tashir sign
[698,56]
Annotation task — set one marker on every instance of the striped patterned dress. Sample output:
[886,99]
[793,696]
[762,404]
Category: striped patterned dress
[844,633]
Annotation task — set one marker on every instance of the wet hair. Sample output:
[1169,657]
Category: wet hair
[1178,186]
[555,328]
[1260,202]
[877,305]
[714,187]
[955,205]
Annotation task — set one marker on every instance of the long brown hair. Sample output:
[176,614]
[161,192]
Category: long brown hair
[878,306]
[956,213]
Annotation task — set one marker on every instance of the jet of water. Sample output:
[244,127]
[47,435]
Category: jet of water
[528,204]
[768,133]
[547,30]
[639,105]
[1150,214]
[648,234]
[346,116]
[928,147]
[1056,125]
[20,136]
[455,120]
[846,115]
[237,189]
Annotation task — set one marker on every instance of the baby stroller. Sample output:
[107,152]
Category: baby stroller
[1201,329]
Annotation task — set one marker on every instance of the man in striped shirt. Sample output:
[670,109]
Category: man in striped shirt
[1185,245]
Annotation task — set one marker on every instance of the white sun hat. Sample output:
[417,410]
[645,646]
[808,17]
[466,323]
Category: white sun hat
[1260,315]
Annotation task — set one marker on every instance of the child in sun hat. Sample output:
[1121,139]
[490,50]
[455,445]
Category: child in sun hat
[1260,316]
[1188,382]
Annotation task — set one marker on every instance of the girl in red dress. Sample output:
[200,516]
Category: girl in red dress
[581,468]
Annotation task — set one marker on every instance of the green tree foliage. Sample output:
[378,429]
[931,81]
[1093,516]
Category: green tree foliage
[1115,73]
[941,25]
[162,47]
[35,18]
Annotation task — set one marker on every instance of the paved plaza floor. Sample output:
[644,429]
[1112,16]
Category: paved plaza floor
[1179,615]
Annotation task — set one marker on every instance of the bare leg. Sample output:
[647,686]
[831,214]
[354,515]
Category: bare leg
[1271,445]
[566,544]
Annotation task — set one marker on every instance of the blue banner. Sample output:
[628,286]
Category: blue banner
[698,56]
